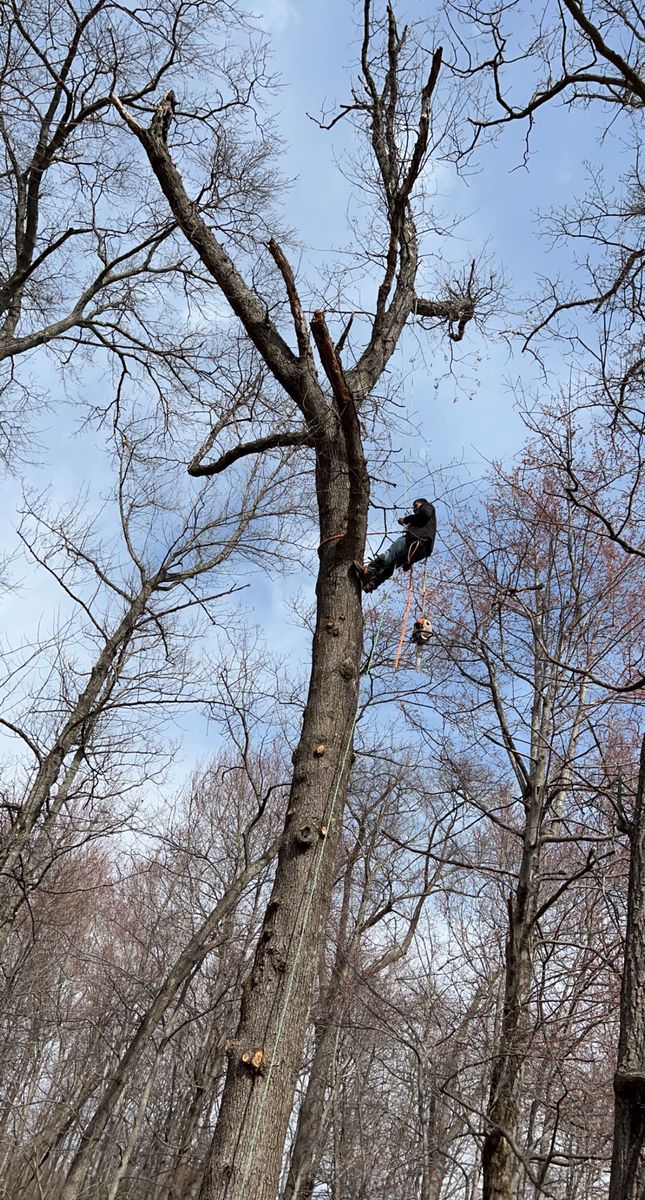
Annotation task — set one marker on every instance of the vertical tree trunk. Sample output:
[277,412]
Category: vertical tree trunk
[627,1181]
[135,1132]
[498,1158]
[265,1056]
[313,1119]
[208,1067]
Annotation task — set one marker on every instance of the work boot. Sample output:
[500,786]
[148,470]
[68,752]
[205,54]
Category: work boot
[364,577]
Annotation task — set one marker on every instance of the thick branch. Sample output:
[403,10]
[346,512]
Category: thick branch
[258,446]
[457,312]
[299,321]
[347,411]
[631,77]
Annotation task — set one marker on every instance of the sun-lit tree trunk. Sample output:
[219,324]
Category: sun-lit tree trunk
[264,1057]
[498,1156]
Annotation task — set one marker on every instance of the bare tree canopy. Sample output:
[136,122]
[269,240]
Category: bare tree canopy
[291,906]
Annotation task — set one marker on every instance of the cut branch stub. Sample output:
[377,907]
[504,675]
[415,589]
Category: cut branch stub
[305,836]
[255,1060]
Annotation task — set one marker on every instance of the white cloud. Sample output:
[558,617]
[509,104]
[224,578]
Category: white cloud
[276,15]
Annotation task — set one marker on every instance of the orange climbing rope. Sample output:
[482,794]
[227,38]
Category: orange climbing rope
[405,623]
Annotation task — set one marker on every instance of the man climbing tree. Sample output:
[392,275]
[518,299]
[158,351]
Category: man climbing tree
[416,544]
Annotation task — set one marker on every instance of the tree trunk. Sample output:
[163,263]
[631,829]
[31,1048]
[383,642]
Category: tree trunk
[208,1067]
[498,1158]
[313,1119]
[266,1054]
[627,1180]
[135,1132]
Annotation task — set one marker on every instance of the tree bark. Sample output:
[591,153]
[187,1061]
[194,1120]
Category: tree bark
[256,1105]
[627,1180]
[498,1158]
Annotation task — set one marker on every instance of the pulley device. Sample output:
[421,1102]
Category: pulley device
[421,631]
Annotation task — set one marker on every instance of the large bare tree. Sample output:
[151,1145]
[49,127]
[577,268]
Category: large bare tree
[393,104]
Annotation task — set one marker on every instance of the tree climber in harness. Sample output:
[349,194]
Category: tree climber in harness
[415,545]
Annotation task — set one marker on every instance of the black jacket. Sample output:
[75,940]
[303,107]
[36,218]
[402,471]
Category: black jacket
[421,526]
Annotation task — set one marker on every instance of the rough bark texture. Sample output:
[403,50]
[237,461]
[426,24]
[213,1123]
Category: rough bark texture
[498,1159]
[246,1154]
[628,1162]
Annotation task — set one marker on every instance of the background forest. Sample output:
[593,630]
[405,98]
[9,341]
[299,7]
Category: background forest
[280,917]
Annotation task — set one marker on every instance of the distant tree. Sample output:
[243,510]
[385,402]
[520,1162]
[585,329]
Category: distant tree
[535,609]
[126,652]
[628,1162]
[589,57]
[90,265]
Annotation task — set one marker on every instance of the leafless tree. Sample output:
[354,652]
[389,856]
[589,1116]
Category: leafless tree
[582,56]
[628,1162]
[124,654]
[393,105]
[525,625]
[90,265]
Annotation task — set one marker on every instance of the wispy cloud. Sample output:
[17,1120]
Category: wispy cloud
[276,16]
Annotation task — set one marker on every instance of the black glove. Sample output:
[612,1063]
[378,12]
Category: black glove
[401,521]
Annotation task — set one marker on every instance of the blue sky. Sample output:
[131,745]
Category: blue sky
[466,418]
